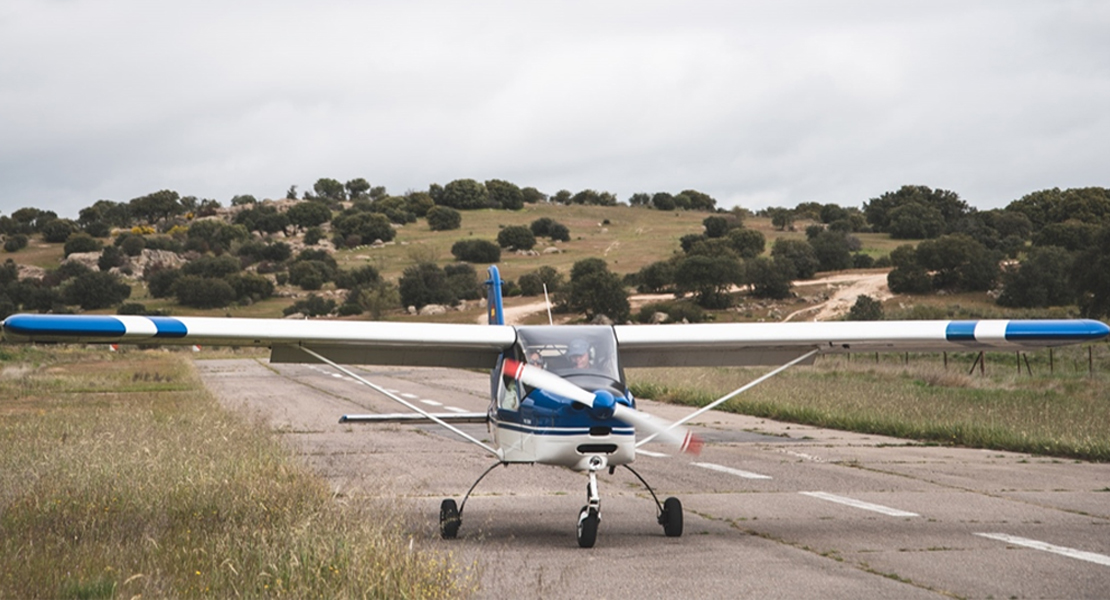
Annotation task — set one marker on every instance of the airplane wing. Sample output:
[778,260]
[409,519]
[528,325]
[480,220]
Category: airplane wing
[477,346]
[347,342]
[743,344]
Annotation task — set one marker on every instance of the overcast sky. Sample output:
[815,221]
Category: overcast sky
[754,103]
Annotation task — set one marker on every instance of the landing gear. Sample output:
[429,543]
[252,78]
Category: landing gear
[670,511]
[450,514]
[449,519]
[588,521]
[671,517]
[590,515]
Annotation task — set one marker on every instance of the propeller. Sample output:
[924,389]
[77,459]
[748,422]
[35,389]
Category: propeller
[604,405]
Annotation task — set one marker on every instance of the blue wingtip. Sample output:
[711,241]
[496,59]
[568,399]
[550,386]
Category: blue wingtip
[1069,331]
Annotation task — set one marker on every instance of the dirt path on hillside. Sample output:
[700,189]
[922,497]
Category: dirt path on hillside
[847,287]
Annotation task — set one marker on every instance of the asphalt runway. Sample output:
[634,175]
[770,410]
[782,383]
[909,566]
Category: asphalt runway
[772,510]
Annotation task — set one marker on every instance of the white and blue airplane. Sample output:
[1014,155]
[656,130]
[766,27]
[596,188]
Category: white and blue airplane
[558,393]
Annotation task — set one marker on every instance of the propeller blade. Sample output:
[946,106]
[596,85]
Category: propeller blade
[662,430]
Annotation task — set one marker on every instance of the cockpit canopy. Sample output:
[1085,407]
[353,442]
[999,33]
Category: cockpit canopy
[558,350]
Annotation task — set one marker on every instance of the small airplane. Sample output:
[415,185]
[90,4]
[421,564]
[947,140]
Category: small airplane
[558,393]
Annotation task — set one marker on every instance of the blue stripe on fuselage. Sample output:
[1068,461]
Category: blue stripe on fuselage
[559,430]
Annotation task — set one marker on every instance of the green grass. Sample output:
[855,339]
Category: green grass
[1059,414]
[120,477]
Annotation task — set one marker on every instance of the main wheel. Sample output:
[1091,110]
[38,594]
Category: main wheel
[587,527]
[671,519]
[449,520]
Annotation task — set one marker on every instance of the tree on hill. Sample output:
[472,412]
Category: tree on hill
[934,205]
[1040,281]
[464,194]
[1090,276]
[708,278]
[516,237]
[476,251]
[308,214]
[503,194]
[156,206]
[443,218]
[594,290]
[95,289]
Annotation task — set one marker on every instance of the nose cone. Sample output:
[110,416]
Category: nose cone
[603,404]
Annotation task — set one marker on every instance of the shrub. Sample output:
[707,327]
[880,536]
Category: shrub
[203,292]
[476,251]
[95,289]
[15,242]
[310,274]
[81,242]
[313,306]
[443,218]
[516,237]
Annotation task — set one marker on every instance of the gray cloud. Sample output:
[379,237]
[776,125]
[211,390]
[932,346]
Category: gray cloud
[755,103]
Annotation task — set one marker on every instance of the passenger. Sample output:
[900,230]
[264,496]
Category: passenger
[536,359]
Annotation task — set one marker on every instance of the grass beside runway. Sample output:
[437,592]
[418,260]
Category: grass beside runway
[1063,413]
[120,476]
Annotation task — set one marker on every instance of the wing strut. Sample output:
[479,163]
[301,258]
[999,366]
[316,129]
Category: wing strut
[731,394]
[409,405]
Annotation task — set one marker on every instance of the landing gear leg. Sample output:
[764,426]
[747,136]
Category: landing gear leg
[450,515]
[670,511]
[590,515]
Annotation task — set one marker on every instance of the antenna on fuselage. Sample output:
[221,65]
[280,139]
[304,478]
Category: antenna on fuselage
[546,301]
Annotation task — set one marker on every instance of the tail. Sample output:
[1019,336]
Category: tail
[493,297]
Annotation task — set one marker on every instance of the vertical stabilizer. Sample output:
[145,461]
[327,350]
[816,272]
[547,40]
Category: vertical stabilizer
[493,297]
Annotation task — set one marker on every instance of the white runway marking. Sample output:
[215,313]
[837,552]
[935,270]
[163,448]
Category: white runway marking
[407,395]
[652,454]
[1094,557]
[730,471]
[432,403]
[455,409]
[886,510]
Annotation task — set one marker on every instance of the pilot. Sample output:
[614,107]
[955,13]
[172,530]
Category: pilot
[579,354]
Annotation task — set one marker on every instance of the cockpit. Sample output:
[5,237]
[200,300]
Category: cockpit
[585,355]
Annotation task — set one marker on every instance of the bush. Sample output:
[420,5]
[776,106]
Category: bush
[133,245]
[111,257]
[159,282]
[212,266]
[313,306]
[203,292]
[251,286]
[57,231]
[364,276]
[531,284]
[310,274]
[95,289]
[516,237]
[424,284]
[81,242]
[676,312]
[866,308]
[443,218]
[15,242]
[476,251]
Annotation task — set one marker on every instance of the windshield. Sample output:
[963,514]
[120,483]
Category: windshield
[572,350]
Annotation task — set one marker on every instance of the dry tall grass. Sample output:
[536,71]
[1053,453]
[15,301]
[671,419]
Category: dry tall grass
[120,476]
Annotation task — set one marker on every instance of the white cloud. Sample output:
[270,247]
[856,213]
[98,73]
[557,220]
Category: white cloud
[758,103]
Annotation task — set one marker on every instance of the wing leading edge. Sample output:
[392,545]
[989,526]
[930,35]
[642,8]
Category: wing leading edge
[477,346]
[739,344]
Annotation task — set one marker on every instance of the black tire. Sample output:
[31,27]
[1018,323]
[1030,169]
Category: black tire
[449,520]
[671,519]
[588,520]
